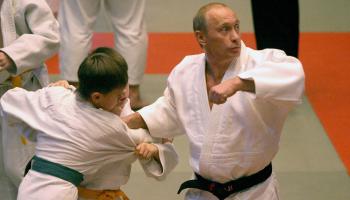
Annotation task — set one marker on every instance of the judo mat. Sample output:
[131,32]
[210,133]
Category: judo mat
[313,160]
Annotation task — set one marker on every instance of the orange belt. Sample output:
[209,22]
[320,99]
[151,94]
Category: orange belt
[101,194]
[16,81]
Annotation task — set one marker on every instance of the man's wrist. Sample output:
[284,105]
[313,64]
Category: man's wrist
[135,121]
[245,85]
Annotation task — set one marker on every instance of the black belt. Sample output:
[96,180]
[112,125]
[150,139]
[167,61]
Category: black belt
[223,190]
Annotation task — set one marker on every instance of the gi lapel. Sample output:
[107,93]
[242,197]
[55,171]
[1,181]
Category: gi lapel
[213,117]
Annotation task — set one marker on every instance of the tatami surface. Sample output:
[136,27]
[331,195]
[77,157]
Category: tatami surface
[308,166]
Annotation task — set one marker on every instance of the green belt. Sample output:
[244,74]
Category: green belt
[57,170]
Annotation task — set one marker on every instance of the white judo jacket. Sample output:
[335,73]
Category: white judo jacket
[30,35]
[72,132]
[241,136]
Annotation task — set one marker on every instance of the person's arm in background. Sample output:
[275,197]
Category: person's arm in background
[38,37]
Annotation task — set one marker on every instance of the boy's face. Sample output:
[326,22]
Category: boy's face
[113,101]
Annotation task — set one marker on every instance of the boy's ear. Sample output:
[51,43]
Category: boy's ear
[200,36]
[95,98]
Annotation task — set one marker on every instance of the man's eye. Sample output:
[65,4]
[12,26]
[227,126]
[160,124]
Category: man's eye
[225,29]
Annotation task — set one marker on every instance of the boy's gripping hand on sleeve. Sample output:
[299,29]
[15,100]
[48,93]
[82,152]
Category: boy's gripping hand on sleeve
[147,151]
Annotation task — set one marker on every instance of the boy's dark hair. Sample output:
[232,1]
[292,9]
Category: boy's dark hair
[103,70]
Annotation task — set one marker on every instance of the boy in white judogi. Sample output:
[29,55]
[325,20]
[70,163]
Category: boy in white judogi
[28,36]
[81,140]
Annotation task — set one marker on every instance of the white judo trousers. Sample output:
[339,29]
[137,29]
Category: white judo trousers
[30,36]
[239,137]
[77,18]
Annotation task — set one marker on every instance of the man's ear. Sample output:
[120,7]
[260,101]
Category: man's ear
[95,98]
[202,40]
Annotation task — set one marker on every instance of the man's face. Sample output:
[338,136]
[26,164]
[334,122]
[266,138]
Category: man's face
[222,39]
[113,100]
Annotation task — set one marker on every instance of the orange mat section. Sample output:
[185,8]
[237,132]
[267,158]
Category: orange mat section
[326,60]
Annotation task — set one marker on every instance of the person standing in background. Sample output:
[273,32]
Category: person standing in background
[77,18]
[276,25]
[28,36]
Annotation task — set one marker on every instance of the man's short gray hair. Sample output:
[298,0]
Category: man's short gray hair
[199,20]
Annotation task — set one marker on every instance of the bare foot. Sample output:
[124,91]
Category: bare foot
[136,101]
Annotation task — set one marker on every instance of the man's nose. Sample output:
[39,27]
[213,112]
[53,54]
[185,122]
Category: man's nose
[234,36]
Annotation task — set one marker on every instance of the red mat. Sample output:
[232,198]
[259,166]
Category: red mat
[326,60]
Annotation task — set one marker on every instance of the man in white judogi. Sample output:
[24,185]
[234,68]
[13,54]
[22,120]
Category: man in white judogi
[231,102]
[28,36]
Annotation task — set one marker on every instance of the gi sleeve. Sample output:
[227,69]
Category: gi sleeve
[38,36]
[161,117]
[168,158]
[29,106]
[277,77]
[168,161]
[18,146]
